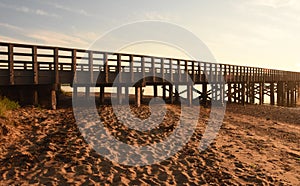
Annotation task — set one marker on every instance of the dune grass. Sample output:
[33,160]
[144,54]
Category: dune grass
[7,104]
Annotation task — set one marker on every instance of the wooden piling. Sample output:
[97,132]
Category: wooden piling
[204,93]
[87,92]
[75,91]
[176,93]
[222,93]
[35,96]
[235,88]
[138,96]
[280,93]
[298,87]
[189,95]
[298,90]
[164,92]
[261,93]
[155,90]
[243,94]
[126,92]
[119,94]
[272,94]
[291,94]
[252,93]
[171,94]
[142,94]
[229,94]
[292,98]
[102,91]
[239,90]
[53,99]
[287,94]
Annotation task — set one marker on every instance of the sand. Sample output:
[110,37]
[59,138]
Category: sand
[256,145]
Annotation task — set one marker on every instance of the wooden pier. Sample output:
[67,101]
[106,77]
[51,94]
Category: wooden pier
[33,74]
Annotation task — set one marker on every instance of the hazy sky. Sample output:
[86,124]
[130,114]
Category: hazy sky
[264,33]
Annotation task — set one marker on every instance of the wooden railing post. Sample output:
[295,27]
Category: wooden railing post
[186,71]
[119,68]
[205,72]
[153,69]
[35,66]
[56,70]
[171,70]
[143,68]
[131,68]
[11,64]
[193,71]
[74,61]
[163,69]
[91,66]
[35,74]
[106,70]
[211,74]
[199,71]
[179,71]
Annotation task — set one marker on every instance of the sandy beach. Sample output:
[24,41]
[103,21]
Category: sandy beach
[256,145]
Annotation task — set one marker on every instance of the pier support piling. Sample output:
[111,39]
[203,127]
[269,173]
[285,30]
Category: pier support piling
[35,97]
[189,95]
[272,94]
[126,92]
[119,95]
[204,93]
[138,96]
[176,93]
[102,90]
[164,92]
[280,93]
[229,94]
[53,99]
[261,93]
[155,90]
[171,94]
[243,93]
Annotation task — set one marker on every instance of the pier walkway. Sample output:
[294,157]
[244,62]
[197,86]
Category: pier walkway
[33,74]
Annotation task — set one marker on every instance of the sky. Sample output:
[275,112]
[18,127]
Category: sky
[262,33]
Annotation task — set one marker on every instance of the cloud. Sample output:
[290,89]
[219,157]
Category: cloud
[10,39]
[273,3]
[73,39]
[22,9]
[41,12]
[256,5]
[152,15]
[11,27]
[27,10]
[68,9]
[55,38]
[91,36]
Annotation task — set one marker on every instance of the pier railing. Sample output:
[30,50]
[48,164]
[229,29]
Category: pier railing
[22,64]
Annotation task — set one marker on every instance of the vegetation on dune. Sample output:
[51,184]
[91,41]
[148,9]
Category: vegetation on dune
[7,104]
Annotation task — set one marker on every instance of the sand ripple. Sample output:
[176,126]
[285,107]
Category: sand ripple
[41,146]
